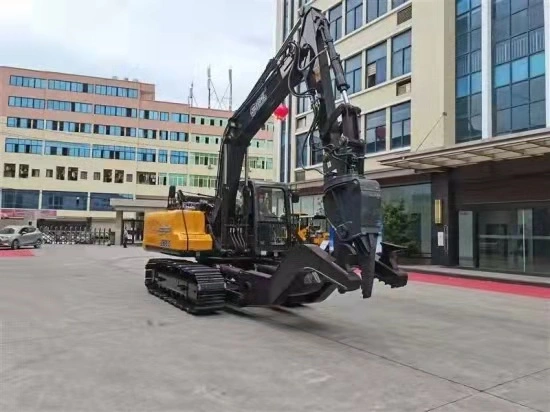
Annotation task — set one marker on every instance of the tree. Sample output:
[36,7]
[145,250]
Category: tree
[398,227]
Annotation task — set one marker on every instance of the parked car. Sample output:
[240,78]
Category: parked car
[17,236]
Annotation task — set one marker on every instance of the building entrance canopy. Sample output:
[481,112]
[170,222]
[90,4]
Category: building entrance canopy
[487,150]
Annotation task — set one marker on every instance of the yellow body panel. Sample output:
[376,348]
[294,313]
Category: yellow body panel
[177,230]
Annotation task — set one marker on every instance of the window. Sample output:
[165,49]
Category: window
[518,66]
[35,173]
[83,175]
[113,152]
[303,104]
[147,133]
[115,91]
[376,65]
[72,173]
[146,155]
[26,102]
[9,169]
[129,178]
[163,156]
[163,179]
[146,178]
[67,86]
[97,175]
[72,127]
[352,68]
[64,200]
[316,149]
[107,176]
[468,72]
[149,114]
[335,19]
[375,131]
[205,159]
[308,152]
[178,157]
[20,199]
[397,3]
[102,201]
[69,106]
[115,130]
[23,171]
[60,173]
[401,54]
[32,82]
[180,118]
[301,151]
[24,123]
[115,111]
[29,146]
[163,135]
[263,163]
[376,8]
[119,176]
[176,179]
[202,181]
[49,173]
[354,15]
[401,125]
[55,148]
[179,136]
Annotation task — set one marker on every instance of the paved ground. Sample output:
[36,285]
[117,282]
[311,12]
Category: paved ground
[79,333]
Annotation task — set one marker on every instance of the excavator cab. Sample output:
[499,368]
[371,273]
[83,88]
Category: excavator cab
[266,213]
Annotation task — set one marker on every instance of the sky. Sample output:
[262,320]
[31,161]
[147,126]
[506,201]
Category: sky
[166,42]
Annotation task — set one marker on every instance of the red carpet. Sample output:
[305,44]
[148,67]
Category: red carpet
[487,285]
[16,253]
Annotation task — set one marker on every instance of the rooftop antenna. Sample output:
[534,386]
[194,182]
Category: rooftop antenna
[191,98]
[212,93]
[209,81]
[230,88]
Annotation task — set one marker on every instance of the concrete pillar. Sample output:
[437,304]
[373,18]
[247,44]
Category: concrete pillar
[118,227]
[444,231]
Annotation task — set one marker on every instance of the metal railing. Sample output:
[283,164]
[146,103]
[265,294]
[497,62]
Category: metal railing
[77,236]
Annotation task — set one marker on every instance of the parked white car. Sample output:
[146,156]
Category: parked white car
[17,236]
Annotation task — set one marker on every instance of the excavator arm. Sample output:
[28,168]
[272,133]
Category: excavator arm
[352,202]
[292,65]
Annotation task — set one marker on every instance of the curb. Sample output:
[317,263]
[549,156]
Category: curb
[480,277]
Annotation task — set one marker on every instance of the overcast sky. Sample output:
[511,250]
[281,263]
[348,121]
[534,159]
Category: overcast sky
[166,42]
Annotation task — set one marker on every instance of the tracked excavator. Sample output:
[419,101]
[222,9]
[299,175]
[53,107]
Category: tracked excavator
[239,247]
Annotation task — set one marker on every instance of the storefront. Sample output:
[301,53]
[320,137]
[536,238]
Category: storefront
[504,216]
[491,204]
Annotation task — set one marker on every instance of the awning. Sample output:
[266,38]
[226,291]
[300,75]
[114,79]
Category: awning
[375,175]
[138,205]
[519,146]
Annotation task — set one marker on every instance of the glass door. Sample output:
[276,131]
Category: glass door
[466,238]
[505,240]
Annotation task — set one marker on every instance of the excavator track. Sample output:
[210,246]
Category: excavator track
[189,286]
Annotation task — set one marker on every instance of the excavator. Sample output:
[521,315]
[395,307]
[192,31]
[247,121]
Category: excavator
[238,247]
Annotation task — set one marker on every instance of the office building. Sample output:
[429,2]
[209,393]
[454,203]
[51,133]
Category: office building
[71,144]
[456,116]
